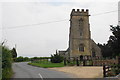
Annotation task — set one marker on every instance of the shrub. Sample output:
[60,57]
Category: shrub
[22,59]
[19,59]
[56,58]
[26,59]
[14,53]
[6,63]
[116,69]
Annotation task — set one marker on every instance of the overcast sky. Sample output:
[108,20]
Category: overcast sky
[38,28]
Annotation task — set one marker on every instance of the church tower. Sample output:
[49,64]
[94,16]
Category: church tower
[80,42]
[79,37]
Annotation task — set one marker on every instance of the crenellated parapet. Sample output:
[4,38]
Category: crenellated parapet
[79,12]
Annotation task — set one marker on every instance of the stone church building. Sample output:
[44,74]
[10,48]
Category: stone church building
[80,42]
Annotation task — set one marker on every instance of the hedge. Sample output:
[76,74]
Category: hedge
[6,63]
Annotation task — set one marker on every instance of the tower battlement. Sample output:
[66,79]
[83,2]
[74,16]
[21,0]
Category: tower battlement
[79,12]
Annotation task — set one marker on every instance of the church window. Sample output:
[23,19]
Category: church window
[81,20]
[81,26]
[80,33]
[93,52]
[81,47]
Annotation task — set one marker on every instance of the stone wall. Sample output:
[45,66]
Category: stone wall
[97,50]
[106,62]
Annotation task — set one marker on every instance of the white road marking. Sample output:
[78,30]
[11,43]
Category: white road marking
[40,76]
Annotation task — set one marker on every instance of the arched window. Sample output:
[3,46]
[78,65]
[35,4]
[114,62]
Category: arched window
[81,20]
[81,33]
[93,52]
[81,47]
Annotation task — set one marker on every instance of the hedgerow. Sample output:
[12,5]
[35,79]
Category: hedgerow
[6,63]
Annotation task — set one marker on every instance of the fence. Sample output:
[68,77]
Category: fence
[111,70]
[78,62]
[106,69]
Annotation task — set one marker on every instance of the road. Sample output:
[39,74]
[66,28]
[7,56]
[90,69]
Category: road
[22,70]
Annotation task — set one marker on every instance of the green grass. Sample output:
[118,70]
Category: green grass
[46,64]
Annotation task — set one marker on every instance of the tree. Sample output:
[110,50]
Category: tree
[106,50]
[26,59]
[112,48]
[19,59]
[56,58]
[14,53]
[114,40]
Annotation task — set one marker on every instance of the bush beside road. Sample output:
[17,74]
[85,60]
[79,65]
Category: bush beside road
[6,63]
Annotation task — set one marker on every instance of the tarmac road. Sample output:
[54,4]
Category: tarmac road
[22,70]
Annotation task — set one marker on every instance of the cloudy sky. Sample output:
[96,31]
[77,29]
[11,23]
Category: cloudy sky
[40,27]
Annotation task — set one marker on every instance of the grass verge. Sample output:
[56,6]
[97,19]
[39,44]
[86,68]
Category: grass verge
[47,65]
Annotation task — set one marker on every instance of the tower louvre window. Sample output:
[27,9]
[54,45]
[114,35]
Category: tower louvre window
[80,22]
[81,26]
[81,47]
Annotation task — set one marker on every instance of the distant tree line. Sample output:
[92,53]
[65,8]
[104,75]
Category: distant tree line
[55,58]
[40,58]
[23,59]
[112,48]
